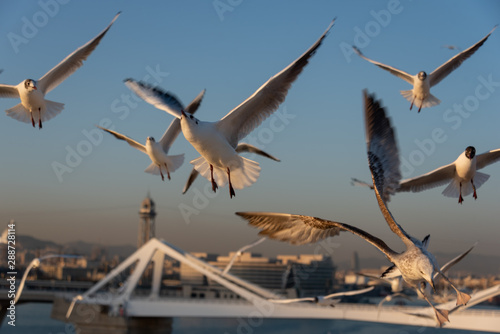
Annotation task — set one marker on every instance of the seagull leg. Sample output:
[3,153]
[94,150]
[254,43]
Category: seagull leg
[161,173]
[420,106]
[460,198]
[473,187]
[462,297]
[32,119]
[411,105]
[168,173]
[39,118]
[441,315]
[231,190]
[214,185]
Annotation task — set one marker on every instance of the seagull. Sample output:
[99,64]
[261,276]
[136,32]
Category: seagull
[420,94]
[241,148]
[157,151]
[451,47]
[35,263]
[72,305]
[390,297]
[396,283]
[416,264]
[33,104]
[239,252]
[217,141]
[461,174]
[358,182]
[329,300]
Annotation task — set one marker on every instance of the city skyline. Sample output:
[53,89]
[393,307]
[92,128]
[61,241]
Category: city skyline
[230,49]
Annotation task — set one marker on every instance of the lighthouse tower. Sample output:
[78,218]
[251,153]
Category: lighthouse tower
[147,215]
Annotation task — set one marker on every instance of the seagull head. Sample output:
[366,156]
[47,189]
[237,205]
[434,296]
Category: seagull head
[36,263]
[426,269]
[422,75]
[470,152]
[190,119]
[151,139]
[30,84]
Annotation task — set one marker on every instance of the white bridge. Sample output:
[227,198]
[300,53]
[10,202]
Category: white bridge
[123,303]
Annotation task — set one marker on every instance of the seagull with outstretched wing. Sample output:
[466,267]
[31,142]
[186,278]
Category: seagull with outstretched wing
[34,264]
[462,175]
[329,300]
[158,151]
[34,107]
[217,141]
[420,94]
[238,253]
[416,264]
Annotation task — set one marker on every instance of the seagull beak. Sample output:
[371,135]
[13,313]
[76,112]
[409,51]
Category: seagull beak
[34,87]
[432,285]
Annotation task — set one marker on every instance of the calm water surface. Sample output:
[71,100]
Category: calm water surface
[34,318]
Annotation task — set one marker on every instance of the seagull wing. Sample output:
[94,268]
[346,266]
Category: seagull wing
[9,91]
[71,63]
[358,182]
[239,252]
[485,159]
[239,122]
[130,141]
[244,147]
[292,300]
[174,129]
[195,104]
[375,277]
[436,178]
[452,262]
[401,74]
[383,153]
[33,263]
[190,180]
[349,293]
[442,71]
[299,229]
[383,159]
[160,99]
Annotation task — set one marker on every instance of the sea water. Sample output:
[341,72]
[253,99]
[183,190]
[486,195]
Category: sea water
[34,318]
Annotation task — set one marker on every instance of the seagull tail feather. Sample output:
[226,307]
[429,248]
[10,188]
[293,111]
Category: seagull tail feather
[430,101]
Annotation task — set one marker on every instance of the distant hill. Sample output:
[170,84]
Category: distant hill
[75,247]
[29,242]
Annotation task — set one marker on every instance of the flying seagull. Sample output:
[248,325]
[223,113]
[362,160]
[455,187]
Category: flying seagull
[34,107]
[416,264]
[239,252]
[329,300]
[420,94]
[462,175]
[158,151]
[217,141]
[241,148]
[35,263]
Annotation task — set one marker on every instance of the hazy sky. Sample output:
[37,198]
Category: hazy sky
[231,47]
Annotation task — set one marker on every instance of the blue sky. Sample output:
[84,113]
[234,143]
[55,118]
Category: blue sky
[230,48]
